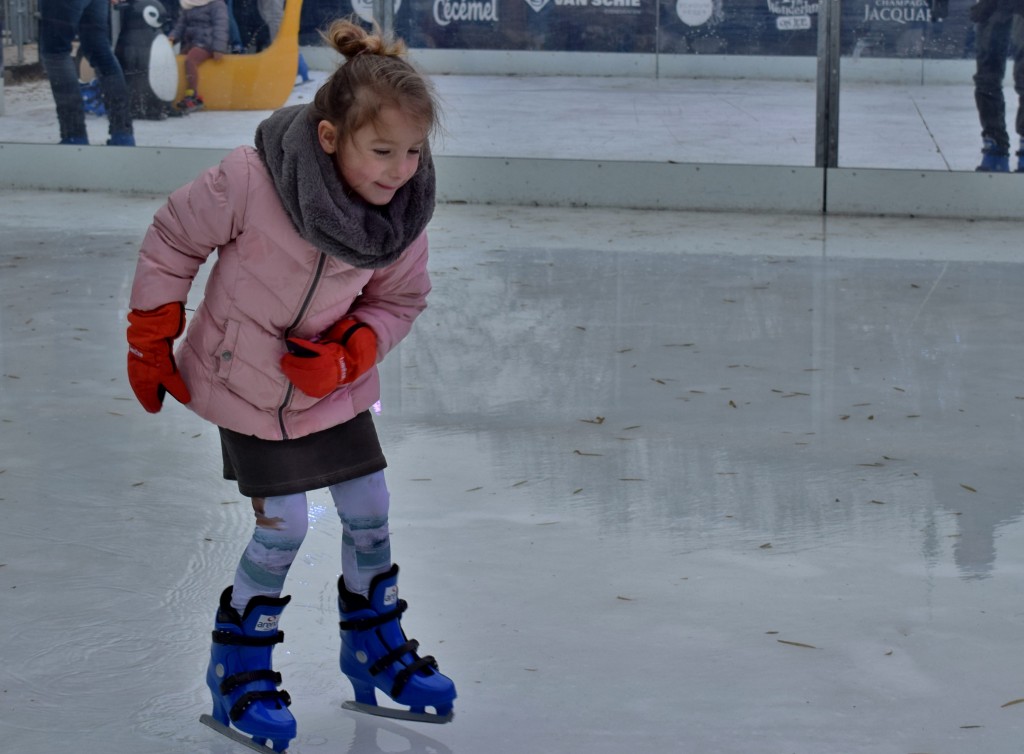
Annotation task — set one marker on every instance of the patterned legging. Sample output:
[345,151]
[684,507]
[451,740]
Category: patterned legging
[281,526]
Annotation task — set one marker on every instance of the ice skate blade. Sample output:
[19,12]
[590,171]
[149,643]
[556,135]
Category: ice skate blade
[398,714]
[236,736]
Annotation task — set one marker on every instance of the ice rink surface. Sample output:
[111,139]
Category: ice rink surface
[661,482]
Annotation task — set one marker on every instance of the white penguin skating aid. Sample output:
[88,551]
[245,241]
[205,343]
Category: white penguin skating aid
[147,58]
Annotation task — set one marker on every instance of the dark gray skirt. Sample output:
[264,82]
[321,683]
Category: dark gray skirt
[266,468]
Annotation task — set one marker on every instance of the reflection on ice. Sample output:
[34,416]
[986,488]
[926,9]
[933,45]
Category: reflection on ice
[779,401]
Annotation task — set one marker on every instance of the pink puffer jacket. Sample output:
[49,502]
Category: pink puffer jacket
[267,283]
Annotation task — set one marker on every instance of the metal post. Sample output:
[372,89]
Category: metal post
[2,108]
[826,142]
[384,15]
[21,29]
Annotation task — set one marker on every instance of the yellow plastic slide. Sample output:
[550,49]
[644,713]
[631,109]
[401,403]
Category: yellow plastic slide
[261,81]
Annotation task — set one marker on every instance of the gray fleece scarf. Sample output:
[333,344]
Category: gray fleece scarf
[324,212]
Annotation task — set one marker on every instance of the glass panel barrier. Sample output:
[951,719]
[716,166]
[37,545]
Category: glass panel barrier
[907,92]
[744,71]
[696,81]
[728,81]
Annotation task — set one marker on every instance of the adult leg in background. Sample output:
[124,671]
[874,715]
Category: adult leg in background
[992,38]
[94,37]
[1017,49]
[58,25]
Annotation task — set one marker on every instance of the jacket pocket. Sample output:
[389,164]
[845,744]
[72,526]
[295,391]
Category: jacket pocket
[247,365]
[226,352]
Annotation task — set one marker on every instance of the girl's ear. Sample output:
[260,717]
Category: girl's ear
[328,136]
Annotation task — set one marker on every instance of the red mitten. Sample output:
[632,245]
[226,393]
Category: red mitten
[358,338]
[151,368]
[346,351]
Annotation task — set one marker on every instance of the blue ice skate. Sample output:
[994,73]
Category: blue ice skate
[994,159]
[243,685]
[92,98]
[375,654]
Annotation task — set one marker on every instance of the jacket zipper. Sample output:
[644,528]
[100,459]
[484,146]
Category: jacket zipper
[321,262]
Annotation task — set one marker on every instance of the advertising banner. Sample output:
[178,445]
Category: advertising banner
[739,27]
[908,29]
[870,28]
[550,25]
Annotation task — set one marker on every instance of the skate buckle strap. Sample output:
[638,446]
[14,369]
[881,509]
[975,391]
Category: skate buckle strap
[231,683]
[403,676]
[247,700]
[240,640]
[365,624]
[394,655]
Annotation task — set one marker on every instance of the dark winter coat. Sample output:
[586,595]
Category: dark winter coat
[202,24]
[982,10]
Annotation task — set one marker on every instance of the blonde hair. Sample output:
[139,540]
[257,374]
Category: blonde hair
[375,75]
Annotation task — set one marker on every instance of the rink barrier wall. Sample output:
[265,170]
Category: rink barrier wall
[570,183]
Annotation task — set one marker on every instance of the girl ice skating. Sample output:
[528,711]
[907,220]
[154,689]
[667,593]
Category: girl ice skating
[321,270]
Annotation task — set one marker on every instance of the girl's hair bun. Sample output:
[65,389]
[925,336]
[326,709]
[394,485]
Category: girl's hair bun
[350,39]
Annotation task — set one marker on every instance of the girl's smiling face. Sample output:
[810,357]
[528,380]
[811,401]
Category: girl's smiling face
[379,158]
